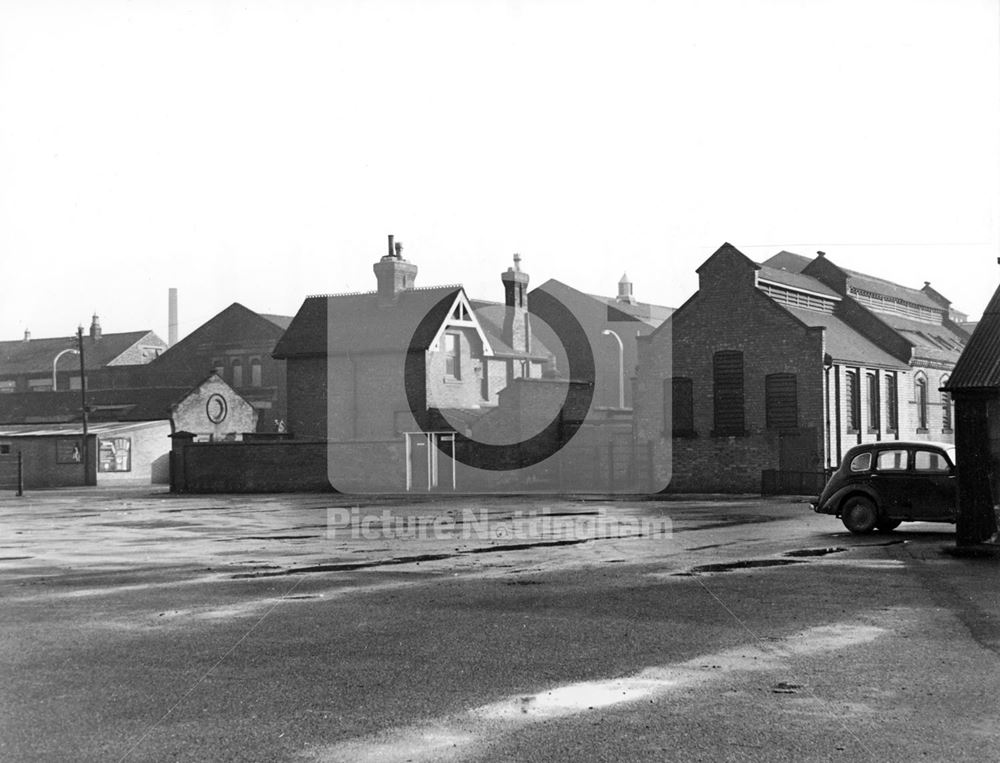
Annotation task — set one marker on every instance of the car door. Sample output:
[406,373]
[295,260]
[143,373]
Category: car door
[891,479]
[933,496]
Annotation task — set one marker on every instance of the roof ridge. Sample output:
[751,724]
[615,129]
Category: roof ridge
[364,293]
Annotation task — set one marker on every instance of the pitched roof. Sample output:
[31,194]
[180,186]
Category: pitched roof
[886,288]
[930,340]
[36,355]
[146,404]
[843,343]
[490,316]
[979,365]
[281,321]
[337,324]
[788,261]
[646,312]
[795,280]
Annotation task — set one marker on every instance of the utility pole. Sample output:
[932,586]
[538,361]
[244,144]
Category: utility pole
[85,450]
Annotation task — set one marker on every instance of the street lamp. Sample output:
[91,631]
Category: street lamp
[621,366]
[56,360]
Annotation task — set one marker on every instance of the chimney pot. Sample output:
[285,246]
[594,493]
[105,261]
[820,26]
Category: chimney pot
[95,328]
[27,335]
[821,254]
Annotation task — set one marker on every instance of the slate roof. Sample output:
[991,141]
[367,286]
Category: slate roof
[36,355]
[931,341]
[788,261]
[490,316]
[281,321]
[145,404]
[795,280]
[65,430]
[646,312]
[890,289]
[844,344]
[979,365]
[355,323]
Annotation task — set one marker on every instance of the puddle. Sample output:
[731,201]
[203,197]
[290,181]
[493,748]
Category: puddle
[748,564]
[815,551]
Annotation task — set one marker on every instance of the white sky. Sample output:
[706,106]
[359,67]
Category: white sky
[261,151]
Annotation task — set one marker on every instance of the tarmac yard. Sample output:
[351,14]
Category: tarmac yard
[145,626]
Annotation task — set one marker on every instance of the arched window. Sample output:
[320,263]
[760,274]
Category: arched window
[237,369]
[852,395]
[920,398]
[256,373]
[891,402]
[874,403]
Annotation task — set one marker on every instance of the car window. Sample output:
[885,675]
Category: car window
[892,461]
[930,461]
[861,462]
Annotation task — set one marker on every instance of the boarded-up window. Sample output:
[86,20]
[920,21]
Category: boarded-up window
[874,404]
[679,414]
[781,401]
[852,394]
[891,403]
[727,376]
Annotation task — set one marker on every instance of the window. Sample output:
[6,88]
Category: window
[8,386]
[930,461]
[892,403]
[219,366]
[237,368]
[945,407]
[40,385]
[5,449]
[678,419]
[256,373]
[727,377]
[920,391]
[852,396]
[781,401]
[861,462]
[892,461]
[874,404]
[114,454]
[452,356]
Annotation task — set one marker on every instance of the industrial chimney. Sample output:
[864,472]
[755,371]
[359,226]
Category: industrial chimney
[171,317]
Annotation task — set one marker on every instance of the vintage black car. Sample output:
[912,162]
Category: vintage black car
[881,484]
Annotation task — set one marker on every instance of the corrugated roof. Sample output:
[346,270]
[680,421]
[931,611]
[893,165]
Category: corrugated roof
[796,281]
[141,404]
[36,355]
[66,430]
[979,365]
[844,344]
[345,323]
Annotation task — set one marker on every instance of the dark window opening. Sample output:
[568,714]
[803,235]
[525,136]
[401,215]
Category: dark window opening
[727,376]
[781,402]
[679,416]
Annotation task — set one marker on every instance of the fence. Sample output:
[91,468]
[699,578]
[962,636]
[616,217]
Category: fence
[12,472]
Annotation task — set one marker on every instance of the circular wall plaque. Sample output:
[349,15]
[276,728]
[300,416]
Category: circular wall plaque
[216,408]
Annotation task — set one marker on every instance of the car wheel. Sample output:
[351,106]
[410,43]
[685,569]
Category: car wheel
[888,525]
[859,515]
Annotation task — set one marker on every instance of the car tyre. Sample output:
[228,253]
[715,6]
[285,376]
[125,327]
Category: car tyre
[859,515]
[888,525]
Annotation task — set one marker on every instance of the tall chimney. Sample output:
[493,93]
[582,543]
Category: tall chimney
[95,328]
[394,274]
[171,317]
[27,335]
[516,331]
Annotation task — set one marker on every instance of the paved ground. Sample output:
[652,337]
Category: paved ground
[142,626]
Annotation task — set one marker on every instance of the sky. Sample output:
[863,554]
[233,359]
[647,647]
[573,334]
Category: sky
[259,152]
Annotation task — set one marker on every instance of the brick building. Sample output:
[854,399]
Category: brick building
[780,367]
[621,314]
[236,344]
[110,360]
[358,364]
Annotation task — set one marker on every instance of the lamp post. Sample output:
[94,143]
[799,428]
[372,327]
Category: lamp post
[621,366]
[56,360]
[85,450]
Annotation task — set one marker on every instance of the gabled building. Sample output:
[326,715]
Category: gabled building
[237,344]
[110,360]
[780,367]
[359,364]
[606,321]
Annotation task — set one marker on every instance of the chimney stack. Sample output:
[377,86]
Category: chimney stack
[27,335]
[516,330]
[95,328]
[394,274]
[171,317]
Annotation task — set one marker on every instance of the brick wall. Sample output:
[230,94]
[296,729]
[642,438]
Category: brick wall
[250,467]
[727,313]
